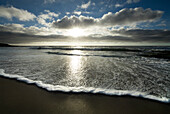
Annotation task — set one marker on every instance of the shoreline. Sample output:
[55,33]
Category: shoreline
[20,97]
[72,90]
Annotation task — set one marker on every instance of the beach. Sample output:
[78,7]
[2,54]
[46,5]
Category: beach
[18,97]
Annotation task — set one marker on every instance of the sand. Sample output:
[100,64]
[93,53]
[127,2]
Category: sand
[20,98]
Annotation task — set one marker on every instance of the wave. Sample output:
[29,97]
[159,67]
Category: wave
[70,54]
[154,52]
[161,55]
[108,48]
[157,54]
[93,90]
[89,49]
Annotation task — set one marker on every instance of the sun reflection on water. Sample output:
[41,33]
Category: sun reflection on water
[76,67]
[75,64]
[77,52]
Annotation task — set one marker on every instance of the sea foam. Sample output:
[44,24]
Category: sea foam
[51,87]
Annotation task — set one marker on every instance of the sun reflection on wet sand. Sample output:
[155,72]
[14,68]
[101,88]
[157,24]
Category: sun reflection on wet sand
[77,104]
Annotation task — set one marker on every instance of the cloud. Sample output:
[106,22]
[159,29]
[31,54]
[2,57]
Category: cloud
[77,12]
[24,38]
[135,36]
[86,12]
[49,1]
[56,1]
[12,12]
[132,1]
[12,28]
[123,17]
[128,16]
[118,5]
[85,6]
[161,24]
[141,35]
[67,13]
[17,33]
[46,16]
[74,21]
[127,2]
[81,12]
[32,30]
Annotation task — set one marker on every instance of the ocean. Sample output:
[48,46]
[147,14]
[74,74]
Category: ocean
[111,70]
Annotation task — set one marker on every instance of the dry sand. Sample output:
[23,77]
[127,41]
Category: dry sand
[20,98]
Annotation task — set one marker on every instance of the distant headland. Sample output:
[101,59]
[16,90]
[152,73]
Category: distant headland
[5,45]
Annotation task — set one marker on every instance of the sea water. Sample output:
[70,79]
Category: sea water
[106,70]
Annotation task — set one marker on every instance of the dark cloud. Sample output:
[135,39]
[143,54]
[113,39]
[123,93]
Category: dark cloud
[137,36]
[20,38]
[17,33]
[74,21]
[11,27]
[140,35]
[124,16]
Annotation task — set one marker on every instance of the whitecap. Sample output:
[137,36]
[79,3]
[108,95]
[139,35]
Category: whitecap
[51,87]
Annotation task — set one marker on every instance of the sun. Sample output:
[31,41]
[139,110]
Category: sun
[76,32]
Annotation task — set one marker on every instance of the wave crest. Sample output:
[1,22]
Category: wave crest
[93,90]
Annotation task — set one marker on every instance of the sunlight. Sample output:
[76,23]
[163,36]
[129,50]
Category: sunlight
[76,32]
[75,61]
[76,68]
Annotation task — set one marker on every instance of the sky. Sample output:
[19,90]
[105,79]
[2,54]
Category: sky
[85,22]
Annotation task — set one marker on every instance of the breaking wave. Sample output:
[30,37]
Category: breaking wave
[93,90]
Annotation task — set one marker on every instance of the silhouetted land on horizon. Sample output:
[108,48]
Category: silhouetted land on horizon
[5,45]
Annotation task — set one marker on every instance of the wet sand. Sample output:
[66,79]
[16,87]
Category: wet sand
[20,98]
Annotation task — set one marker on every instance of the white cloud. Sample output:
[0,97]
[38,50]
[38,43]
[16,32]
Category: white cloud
[49,1]
[86,12]
[12,12]
[81,12]
[56,1]
[86,5]
[67,13]
[51,14]
[132,1]
[118,5]
[46,16]
[161,24]
[93,4]
[123,17]
[127,2]
[128,16]
[77,12]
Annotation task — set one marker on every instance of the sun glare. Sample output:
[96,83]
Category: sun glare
[76,32]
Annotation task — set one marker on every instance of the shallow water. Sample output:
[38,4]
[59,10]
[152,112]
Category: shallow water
[107,70]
